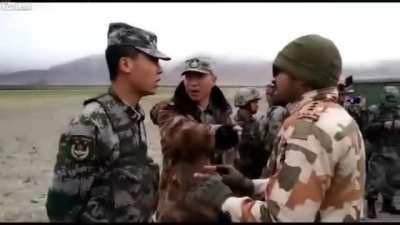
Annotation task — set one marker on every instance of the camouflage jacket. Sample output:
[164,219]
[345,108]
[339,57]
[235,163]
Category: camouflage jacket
[270,124]
[251,151]
[319,173]
[187,146]
[374,130]
[102,172]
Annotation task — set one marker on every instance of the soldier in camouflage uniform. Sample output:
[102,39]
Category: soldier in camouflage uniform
[103,172]
[195,128]
[382,130]
[252,154]
[270,124]
[319,172]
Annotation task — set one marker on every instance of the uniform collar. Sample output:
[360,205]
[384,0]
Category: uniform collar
[324,94]
[209,109]
[135,112]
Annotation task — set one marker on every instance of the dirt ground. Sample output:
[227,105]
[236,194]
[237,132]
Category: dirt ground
[31,123]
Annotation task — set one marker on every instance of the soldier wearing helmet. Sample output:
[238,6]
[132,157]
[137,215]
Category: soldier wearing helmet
[247,97]
[252,156]
[382,130]
[319,171]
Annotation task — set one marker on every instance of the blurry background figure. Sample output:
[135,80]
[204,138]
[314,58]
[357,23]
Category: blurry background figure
[382,130]
[251,150]
[270,124]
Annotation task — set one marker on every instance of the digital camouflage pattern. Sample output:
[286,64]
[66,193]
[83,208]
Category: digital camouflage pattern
[245,95]
[187,146]
[383,166]
[252,154]
[199,64]
[319,173]
[270,124]
[102,172]
[144,41]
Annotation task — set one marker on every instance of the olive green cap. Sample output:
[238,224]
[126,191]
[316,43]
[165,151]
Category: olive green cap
[311,58]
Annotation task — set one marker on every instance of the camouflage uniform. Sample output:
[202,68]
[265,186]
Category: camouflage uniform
[102,172]
[187,144]
[383,167]
[319,171]
[252,155]
[270,124]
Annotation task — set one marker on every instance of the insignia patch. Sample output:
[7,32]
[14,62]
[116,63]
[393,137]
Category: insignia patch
[78,147]
[194,64]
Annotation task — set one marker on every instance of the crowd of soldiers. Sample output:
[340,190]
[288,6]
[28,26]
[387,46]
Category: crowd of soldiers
[380,126]
[303,159]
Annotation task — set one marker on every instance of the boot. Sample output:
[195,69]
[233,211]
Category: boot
[371,208]
[388,207]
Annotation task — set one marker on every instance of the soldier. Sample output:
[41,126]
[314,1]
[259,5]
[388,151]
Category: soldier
[195,127]
[252,154]
[382,130]
[270,124]
[103,172]
[318,174]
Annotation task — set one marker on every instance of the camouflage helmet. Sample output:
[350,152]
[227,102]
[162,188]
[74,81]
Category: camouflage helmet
[390,96]
[311,58]
[245,95]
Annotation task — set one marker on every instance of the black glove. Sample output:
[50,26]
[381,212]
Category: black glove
[226,137]
[235,180]
[212,191]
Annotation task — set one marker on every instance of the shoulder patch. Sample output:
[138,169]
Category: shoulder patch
[312,111]
[77,147]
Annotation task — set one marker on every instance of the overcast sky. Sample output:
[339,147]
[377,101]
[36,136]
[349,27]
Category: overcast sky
[53,33]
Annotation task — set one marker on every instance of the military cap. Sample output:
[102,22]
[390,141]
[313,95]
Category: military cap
[199,64]
[142,40]
[311,58]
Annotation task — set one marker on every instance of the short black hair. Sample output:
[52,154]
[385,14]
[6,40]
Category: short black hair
[114,53]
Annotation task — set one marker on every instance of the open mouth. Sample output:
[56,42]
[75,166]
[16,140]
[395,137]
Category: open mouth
[194,92]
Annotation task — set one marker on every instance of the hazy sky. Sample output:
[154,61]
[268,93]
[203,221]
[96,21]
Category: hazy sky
[52,33]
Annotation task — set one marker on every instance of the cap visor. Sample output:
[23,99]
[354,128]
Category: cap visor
[154,53]
[195,70]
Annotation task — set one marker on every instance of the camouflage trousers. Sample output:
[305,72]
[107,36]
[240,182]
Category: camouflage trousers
[383,175]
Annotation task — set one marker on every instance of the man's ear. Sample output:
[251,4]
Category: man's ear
[125,65]
[214,78]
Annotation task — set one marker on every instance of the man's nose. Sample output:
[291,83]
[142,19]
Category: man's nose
[193,81]
[159,69]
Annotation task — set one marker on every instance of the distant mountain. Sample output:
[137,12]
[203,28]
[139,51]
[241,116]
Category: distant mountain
[89,70]
[92,70]
[380,68]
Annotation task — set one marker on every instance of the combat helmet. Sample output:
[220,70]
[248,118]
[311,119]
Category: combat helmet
[311,58]
[390,96]
[245,95]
